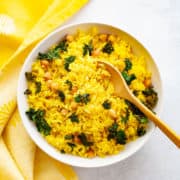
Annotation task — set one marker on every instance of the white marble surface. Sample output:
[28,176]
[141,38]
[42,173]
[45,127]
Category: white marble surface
[156,23]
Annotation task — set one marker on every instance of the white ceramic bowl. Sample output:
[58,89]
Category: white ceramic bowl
[55,37]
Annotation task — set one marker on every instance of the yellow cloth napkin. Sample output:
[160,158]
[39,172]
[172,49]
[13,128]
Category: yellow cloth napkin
[22,24]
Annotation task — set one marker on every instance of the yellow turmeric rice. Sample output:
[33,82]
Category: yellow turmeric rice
[71,97]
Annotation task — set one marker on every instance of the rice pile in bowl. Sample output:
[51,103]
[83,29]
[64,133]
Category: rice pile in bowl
[71,97]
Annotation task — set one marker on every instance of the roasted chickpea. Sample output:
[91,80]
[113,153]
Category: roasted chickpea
[47,76]
[96,53]
[113,114]
[90,153]
[76,139]
[111,38]
[64,112]
[103,37]
[74,89]
[69,38]
[147,82]
[74,105]
[44,63]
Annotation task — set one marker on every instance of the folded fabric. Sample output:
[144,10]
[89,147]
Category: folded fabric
[20,146]
[22,24]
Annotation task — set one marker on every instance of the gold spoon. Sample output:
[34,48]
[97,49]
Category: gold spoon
[122,90]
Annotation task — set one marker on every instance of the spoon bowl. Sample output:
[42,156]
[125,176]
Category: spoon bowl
[122,90]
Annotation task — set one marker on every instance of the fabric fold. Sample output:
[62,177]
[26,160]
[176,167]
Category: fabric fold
[47,168]
[5,113]
[20,146]
[8,168]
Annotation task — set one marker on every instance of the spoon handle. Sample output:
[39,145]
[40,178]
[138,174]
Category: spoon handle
[170,133]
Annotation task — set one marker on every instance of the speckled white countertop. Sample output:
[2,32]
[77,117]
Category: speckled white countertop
[156,23]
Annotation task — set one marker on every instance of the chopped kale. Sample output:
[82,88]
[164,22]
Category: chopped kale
[68,61]
[69,136]
[141,131]
[31,113]
[87,49]
[133,108]
[62,151]
[142,119]
[74,118]
[112,131]
[69,83]
[83,98]
[50,55]
[43,56]
[136,93]
[62,46]
[125,118]
[27,92]
[38,118]
[118,135]
[128,78]
[72,145]
[43,127]
[128,64]
[86,98]
[108,48]
[84,140]
[78,98]
[106,104]
[148,92]
[55,52]
[29,76]
[151,97]
[38,87]
[66,66]
[61,95]
[121,137]
[113,128]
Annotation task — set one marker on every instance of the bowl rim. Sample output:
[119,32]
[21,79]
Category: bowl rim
[22,114]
